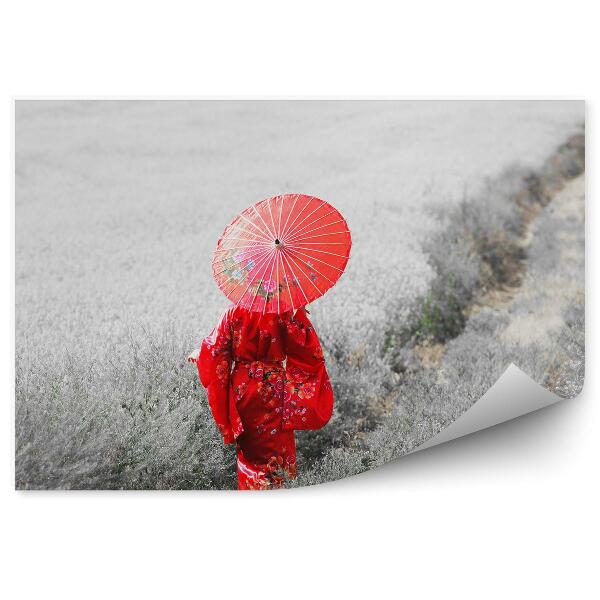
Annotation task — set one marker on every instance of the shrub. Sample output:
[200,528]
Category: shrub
[137,421]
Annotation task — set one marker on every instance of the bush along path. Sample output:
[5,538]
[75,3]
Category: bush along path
[508,287]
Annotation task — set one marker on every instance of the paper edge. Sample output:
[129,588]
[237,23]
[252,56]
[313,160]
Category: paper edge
[513,395]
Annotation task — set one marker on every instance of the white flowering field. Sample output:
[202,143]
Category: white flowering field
[119,204]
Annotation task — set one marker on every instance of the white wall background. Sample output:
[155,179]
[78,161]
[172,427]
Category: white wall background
[507,513]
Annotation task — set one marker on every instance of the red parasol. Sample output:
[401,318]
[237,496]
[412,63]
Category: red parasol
[282,253]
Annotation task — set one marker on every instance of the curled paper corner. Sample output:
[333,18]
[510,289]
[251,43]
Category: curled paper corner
[513,395]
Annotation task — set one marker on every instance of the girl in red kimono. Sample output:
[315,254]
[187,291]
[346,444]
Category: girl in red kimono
[265,377]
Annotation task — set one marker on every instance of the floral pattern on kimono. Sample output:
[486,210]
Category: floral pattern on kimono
[265,377]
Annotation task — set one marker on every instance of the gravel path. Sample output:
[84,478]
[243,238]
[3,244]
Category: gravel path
[555,279]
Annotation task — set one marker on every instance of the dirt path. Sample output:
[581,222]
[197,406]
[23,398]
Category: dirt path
[552,285]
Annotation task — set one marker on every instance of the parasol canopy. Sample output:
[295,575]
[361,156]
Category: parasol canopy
[282,253]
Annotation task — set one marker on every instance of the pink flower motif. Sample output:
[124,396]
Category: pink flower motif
[222,370]
[297,375]
[240,256]
[289,390]
[269,285]
[256,369]
[307,390]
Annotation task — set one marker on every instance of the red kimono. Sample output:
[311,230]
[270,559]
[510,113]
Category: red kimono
[265,377]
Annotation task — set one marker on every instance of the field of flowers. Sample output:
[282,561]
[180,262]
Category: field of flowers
[118,208]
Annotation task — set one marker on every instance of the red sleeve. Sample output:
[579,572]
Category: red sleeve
[308,399]
[214,368]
